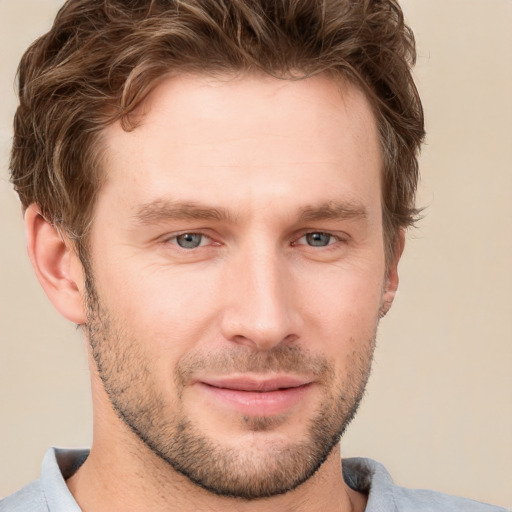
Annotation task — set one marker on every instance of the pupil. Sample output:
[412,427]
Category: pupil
[318,239]
[189,240]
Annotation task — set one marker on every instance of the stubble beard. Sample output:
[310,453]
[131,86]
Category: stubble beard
[260,471]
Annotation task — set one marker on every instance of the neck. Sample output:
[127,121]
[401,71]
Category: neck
[117,477]
[122,473]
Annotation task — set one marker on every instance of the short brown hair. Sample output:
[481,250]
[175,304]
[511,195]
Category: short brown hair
[102,57]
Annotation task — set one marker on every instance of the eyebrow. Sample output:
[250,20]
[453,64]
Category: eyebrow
[164,210]
[334,210]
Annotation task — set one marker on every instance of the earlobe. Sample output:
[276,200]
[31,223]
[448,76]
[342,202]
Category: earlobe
[391,283]
[56,265]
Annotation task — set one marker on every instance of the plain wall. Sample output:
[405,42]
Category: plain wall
[438,412]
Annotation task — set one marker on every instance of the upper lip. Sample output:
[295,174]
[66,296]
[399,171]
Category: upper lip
[255,383]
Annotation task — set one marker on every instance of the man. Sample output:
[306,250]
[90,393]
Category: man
[217,193]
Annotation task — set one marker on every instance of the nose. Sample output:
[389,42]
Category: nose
[260,304]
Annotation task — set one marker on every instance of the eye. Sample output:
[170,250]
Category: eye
[190,240]
[318,239]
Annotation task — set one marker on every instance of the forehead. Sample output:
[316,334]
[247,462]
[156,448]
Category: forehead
[249,134]
[206,103]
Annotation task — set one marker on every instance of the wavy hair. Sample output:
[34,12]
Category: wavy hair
[102,58]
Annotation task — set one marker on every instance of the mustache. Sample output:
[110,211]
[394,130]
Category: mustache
[280,359]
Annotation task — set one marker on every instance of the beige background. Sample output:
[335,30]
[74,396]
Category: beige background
[438,412]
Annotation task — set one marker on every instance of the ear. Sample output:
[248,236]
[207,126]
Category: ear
[56,265]
[391,283]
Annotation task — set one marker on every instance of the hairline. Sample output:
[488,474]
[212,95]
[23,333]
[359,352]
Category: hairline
[132,119]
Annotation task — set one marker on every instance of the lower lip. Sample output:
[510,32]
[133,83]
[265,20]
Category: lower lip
[253,403]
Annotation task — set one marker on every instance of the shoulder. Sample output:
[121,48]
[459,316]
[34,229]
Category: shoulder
[49,492]
[372,478]
[420,500]
[28,499]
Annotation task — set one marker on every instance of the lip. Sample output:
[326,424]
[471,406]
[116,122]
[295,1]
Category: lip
[256,396]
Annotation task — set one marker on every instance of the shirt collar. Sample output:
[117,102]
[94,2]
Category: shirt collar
[363,475]
[58,465]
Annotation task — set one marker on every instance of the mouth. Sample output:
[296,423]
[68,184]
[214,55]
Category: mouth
[256,396]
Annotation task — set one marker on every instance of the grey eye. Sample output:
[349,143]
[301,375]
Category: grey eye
[189,240]
[318,239]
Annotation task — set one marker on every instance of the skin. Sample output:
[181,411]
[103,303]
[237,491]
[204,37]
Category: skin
[279,160]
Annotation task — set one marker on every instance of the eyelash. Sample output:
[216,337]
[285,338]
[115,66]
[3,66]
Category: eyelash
[174,239]
[333,239]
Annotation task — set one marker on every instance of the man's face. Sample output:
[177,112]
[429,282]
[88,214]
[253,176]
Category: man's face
[238,273]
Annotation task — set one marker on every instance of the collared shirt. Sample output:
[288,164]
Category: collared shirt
[50,493]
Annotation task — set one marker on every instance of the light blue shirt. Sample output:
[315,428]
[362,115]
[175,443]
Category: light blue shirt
[50,493]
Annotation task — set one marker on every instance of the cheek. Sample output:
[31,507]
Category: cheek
[174,309]
[349,288]
[343,305]
[169,309]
